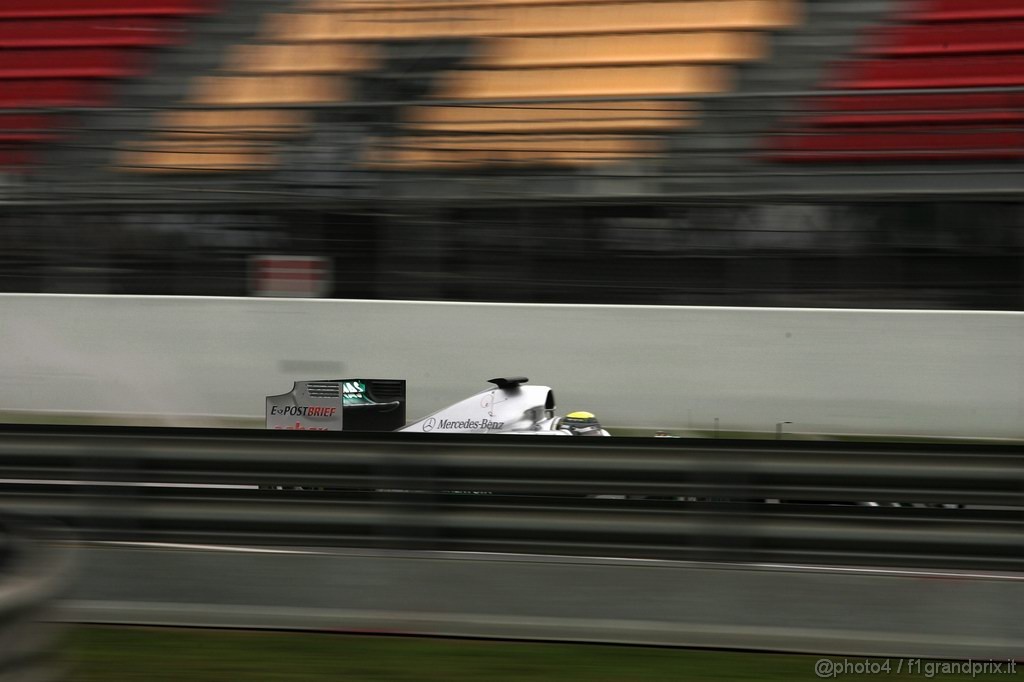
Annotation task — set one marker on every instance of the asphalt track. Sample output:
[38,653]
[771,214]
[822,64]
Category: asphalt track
[855,611]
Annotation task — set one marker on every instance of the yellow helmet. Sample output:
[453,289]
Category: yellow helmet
[582,424]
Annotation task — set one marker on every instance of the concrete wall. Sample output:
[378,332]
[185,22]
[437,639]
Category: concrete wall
[171,359]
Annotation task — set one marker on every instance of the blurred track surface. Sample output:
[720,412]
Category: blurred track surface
[784,608]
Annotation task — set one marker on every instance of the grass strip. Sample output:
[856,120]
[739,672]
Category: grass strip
[131,654]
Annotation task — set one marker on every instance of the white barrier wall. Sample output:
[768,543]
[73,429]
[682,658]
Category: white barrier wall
[826,371]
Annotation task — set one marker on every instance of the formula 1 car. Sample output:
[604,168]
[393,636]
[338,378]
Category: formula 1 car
[510,407]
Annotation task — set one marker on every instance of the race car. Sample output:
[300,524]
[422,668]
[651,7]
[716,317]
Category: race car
[511,407]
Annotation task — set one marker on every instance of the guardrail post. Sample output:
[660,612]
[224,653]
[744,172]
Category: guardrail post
[32,576]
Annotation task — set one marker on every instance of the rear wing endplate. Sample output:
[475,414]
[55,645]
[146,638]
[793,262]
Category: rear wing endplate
[339,405]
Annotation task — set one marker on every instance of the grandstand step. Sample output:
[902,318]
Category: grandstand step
[428,55]
[830,42]
[724,148]
[788,76]
[319,58]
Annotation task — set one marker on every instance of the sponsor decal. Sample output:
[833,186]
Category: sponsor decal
[303,410]
[354,393]
[299,427]
[454,424]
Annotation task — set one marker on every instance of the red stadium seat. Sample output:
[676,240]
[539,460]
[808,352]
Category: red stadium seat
[53,93]
[928,118]
[919,102]
[15,158]
[944,44]
[69,63]
[31,9]
[883,110]
[857,146]
[88,32]
[965,10]
[936,72]
[948,39]
[27,128]
[58,53]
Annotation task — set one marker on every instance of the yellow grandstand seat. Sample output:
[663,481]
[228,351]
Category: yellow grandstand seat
[582,82]
[560,19]
[190,156]
[268,89]
[465,151]
[583,117]
[259,75]
[489,109]
[232,123]
[392,5]
[714,47]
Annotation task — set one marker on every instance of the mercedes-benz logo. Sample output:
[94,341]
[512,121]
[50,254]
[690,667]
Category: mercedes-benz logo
[429,424]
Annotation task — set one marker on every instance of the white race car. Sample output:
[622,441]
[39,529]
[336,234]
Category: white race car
[511,406]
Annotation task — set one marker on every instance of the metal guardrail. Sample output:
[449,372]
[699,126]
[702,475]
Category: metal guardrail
[956,506]
[32,576]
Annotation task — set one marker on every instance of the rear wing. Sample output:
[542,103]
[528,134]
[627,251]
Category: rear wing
[339,405]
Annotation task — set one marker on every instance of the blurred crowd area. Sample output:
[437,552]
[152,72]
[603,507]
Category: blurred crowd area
[706,152]
[921,255]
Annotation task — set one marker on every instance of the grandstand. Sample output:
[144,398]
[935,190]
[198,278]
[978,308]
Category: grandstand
[965,47]
[518,87]
[66,53]
[688,151]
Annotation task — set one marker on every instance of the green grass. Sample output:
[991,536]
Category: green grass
[112,654]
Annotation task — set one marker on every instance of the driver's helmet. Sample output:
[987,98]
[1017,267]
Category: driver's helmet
[582,424]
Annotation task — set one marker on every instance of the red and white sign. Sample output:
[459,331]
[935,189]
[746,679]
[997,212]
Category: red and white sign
[301,276]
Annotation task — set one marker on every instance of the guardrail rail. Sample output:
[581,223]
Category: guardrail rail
[878,504]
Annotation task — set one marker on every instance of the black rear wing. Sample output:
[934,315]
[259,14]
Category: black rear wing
[339,405]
